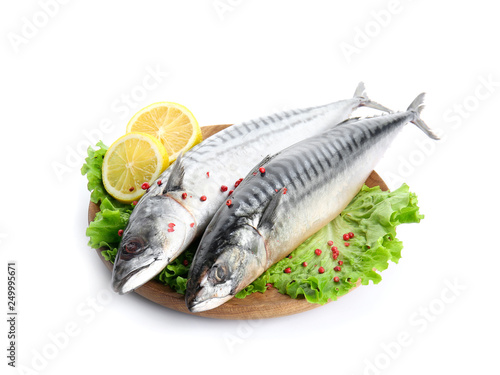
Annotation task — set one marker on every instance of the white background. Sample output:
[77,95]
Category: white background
[67,76]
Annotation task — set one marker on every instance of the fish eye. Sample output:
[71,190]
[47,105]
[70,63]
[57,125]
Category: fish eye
[219,273]
[133,246]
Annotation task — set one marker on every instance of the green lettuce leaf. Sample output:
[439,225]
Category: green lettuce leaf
[93,169]
[372,216]
[113,215]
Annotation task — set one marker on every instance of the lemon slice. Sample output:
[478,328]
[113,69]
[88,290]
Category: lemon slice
[131,161]
[173,124]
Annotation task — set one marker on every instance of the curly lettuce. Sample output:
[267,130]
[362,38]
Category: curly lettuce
[372,216]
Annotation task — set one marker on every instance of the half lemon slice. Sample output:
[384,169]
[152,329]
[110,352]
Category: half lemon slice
[173,124]
[131,164]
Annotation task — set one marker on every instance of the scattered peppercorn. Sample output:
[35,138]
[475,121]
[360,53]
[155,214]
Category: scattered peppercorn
[262,170]
[145,186]
[185,262]
[238,182]
[337,269]
[203,198]
[340,262]
[346,236]
[304,264]
[131,188]
[170,229]
[317,252]
[321,270]
[285,190]
[184,195]
[229,203]
[120,232]
[346,244]
[192,225]
[336,279]
[159,182]
[351,235]
[208,174]
[330,243]
[223,188]
[134,203]
[288,270]
[230,192]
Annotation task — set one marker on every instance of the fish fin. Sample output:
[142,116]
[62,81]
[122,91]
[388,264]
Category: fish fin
[266,160]
[349,120]
[176,176]
[416,107]
[365,100]
[360,90]
[269,216]
[262,163]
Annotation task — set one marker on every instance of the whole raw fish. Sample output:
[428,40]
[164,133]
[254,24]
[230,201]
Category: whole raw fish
[180,204]
[284,200]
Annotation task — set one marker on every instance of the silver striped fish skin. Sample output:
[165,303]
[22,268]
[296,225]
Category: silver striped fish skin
[303,188]
[188,193]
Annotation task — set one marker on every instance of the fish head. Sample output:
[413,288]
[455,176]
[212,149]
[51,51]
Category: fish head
[224,268]
[159,229]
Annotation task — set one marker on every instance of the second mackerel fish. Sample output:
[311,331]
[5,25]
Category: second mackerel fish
[285,200]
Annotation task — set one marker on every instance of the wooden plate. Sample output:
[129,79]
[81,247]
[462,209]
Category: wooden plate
[255,306]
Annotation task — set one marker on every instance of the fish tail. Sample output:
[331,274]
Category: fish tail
[416,107]
[365,100]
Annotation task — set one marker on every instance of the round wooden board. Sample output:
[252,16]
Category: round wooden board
[270,304]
